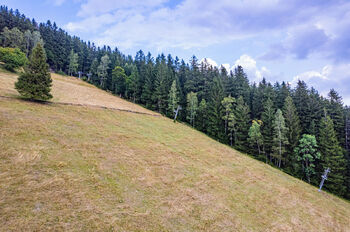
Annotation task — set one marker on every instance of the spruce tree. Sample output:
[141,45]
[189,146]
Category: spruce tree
[202,116]
[215,123]
[293,125]
[161,91]
[280,139]
[302,100]
[332,156]
[336,112]
[241,114]
[267,118]
[35,83]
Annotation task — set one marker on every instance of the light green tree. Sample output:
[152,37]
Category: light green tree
[227,103]
[192,107]
[102,71]
[306,153]
[73,63]
[12,38]
[280,139]
[173,99]
[255,137]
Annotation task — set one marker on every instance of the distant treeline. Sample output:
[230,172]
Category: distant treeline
[294,129]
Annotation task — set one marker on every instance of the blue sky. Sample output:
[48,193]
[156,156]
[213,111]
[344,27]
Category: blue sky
[276,39]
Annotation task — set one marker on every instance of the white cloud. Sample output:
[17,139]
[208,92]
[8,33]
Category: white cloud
[307,76]
[191,23]
[209,61]
[330,76]
[226,66]
[249,66]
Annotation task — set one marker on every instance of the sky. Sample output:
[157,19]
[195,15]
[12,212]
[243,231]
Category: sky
[276,39]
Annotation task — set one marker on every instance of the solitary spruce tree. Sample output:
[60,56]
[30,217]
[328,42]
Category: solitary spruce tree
[35,82]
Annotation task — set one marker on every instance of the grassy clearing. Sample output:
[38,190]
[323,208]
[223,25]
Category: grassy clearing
[71,90]
[87,169]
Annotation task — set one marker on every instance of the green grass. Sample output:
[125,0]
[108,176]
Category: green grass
[76,168]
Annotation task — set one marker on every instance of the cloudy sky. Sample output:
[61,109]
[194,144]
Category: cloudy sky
[276,39]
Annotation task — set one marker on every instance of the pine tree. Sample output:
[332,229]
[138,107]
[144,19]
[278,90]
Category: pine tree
[332,156]
[192,107]
[267,118]
[161,90]
[73,63]
[302,100]
[240,84]
[215,125]
[35,82]
[241,114]
[173,99]
[293,126]
[336,112]
[307,153]
[280,139]
[202,116]
[255,137]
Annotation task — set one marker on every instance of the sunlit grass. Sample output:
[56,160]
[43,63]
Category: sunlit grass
[87,169]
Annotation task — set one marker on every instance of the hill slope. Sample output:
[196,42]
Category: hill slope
[67,167]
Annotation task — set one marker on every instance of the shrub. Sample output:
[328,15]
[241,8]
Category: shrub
[12,57]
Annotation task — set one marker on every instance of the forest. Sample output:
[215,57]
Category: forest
[292,128]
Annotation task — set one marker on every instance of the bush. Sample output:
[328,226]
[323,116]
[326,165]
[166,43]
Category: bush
[60,72]
[12,57]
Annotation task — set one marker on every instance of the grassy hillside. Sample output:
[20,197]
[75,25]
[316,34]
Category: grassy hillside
[67,167]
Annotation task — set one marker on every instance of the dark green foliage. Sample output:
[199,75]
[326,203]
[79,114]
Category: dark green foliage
[12,57]
[293,125]
[35,82]
[215,113]
[267,118]
[241,115]
[332,156]
[201,121]
[336,112]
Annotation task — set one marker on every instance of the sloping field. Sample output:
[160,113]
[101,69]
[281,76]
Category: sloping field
[77,168]
[72,90]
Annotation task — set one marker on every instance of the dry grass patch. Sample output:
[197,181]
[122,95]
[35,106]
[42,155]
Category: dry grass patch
[68,89]
[76,168]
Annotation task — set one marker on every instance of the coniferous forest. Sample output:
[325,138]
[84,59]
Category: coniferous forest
[291,128]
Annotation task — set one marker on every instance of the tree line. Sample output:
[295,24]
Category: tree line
[294,129]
